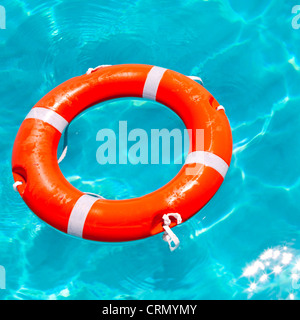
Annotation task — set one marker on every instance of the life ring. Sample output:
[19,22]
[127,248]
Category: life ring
[52,198]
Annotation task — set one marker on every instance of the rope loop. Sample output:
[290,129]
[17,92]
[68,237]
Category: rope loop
[16,184]
[169,236]
[220,108]
[195,78]
[91,70]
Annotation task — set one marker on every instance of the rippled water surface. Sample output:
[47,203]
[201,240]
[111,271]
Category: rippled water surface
[245,243]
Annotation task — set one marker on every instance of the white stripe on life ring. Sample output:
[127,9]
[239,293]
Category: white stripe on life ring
[49,116]
[79,213]
[152,82]
[208,159]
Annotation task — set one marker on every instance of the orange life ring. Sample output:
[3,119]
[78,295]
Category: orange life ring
[51,197]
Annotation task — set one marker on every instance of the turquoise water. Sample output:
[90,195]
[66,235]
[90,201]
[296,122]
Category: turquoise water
[245,244]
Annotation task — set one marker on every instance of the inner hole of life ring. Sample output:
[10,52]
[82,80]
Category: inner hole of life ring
[124,148]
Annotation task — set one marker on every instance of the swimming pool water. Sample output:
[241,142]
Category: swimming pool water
[245,243]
